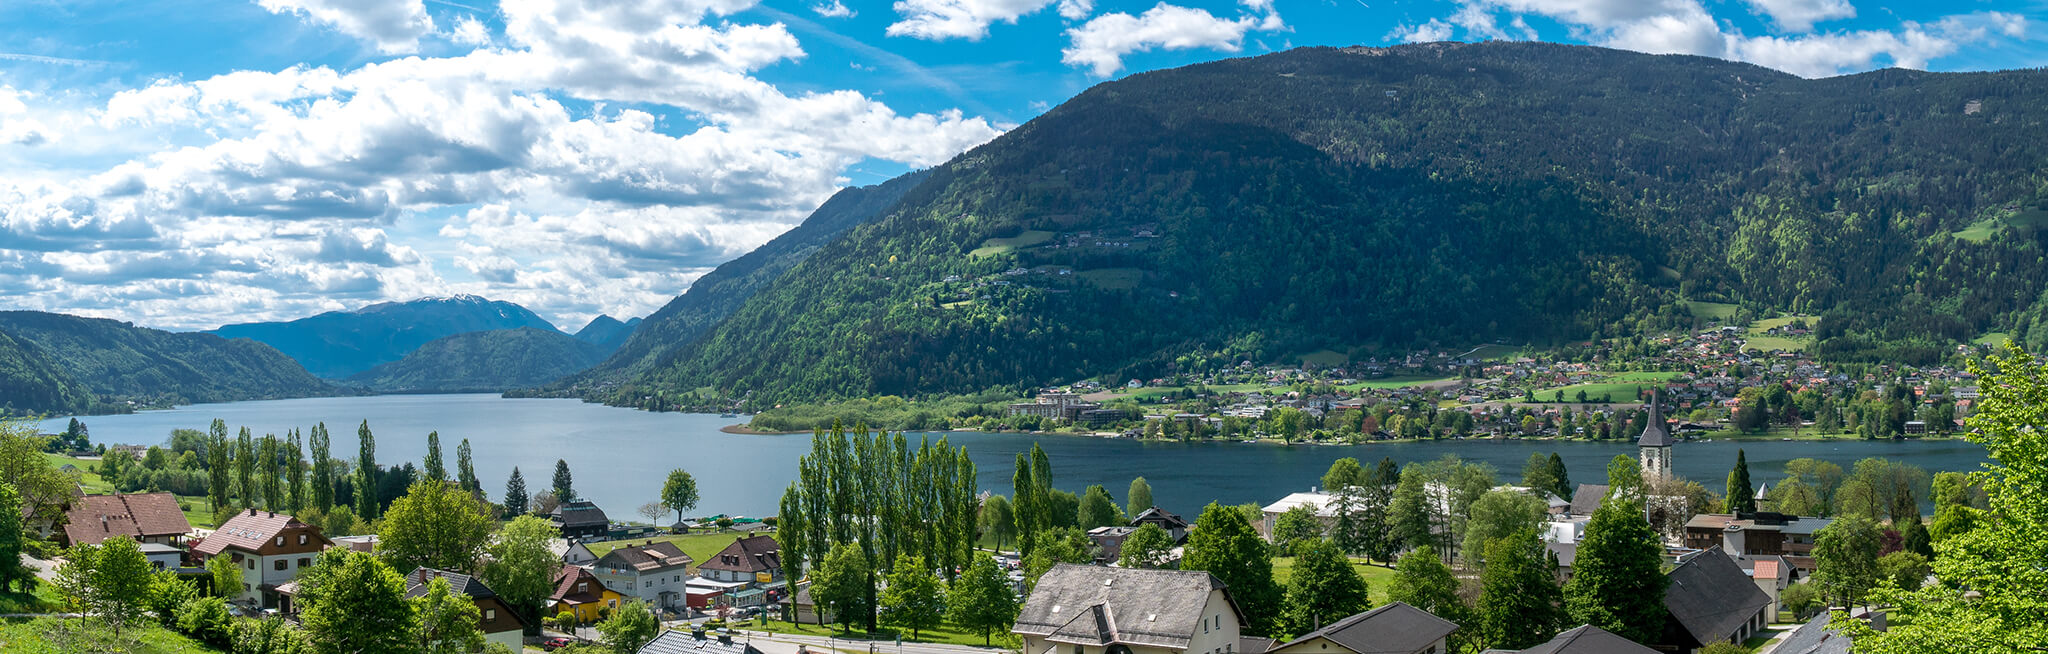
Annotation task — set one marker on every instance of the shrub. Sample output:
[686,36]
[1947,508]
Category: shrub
[206,620]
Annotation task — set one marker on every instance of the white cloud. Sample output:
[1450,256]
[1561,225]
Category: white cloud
[1434,30]
[937,20]
[1076,9]
[836,9]
[393,26]
[1101,43]
[470,31]
[1800,15]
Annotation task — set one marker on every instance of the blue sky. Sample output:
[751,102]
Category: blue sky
[184,164]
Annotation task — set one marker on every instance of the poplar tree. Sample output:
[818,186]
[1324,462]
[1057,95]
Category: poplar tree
[1741,494]
[465,471]
[1139,497]
[245,468]
[433,466]
[295,473]
[267,465]
[366,473]
[217,456]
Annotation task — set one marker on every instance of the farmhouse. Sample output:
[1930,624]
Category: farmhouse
[1393,628]
[1093,610]
[143,517]
[494,617]
[271,549]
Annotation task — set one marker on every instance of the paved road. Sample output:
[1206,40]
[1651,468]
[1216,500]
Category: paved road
[788,644]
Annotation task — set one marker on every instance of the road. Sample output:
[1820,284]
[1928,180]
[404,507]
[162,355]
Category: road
[788,644]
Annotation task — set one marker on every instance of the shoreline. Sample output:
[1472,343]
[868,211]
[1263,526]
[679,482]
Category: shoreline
[745,430]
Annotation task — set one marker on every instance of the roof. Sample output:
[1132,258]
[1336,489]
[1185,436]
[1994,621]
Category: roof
[684,642]
[647,557]
[1814,637]
[1092,605]
[753,554]
[417,580]
[1566,553]
[1588,639]
[565,586]
[580,513]
[1657,433]
[1393,628]
[1316,500]
[95,518]
[1162,516]
[250,530]
[1255,644]
[1587,498]
[1711,598]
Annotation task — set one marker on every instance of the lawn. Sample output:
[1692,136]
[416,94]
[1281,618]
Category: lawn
[1768,324]
[1711,310]
[1646,376]
[194,507]
[1993,339]
[1396,381]
[700,547]
[1113,278]
[1376,577]
[46,598]
[1324,358]
[51,636]
[1596,391]
[995,246]
[946,634]
[1775,343]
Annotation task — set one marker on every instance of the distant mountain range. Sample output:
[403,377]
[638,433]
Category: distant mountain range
[338,344]
[607,333]
[56,363]
[486,361]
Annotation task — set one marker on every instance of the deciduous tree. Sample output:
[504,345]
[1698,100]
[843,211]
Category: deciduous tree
[352,603]
[1499,514]
[629,628]
[523,565]
[1323,588]
[1845,559]
[1224,543]
[679,492]
[1617,579]
[1295,525]
[433,466]
[435,525]
[1147,547]
[1098,509]
[366,473]
[1139,497]
[1519,602]
[842,584]
[914,599]
[981,601]
[447,622]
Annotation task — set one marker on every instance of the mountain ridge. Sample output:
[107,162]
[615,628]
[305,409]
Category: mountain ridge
[483,361]
[118,362]
[337,344]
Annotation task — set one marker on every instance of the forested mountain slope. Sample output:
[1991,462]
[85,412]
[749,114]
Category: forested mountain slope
[483,361]
[719,292]
[337,344]
[31,385]
[1432,194]
[607,333]
[118,361]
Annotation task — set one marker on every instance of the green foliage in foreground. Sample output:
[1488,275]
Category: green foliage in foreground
[55,636]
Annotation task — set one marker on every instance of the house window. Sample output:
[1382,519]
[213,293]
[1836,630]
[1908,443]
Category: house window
[304,561]
[280,565]
[252,564]
[302,539]
[583,587]
[245,587]
[490,614]
[650,584]
[280,541]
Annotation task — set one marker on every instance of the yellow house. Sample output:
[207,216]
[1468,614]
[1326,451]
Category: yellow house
[579,592]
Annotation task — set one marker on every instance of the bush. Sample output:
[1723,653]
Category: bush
[206,619]
[1724,648]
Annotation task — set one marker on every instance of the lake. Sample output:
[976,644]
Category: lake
[620,457]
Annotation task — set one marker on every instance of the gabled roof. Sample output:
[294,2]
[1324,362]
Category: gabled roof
[417,580]
[1393,628]
[749,555]
[1710,596]
[94,518]
[1087,604]
[580,513]
[1587,498]
[1815,637]
[645,558]
[1588,639]
[565,586]
[251,530]
[684,642]
[1658,432]
[1255,644]
[1161,516]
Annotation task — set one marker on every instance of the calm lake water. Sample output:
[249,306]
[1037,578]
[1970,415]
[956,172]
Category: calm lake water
[620,456]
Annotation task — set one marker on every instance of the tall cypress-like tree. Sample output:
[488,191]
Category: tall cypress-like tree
[1519,603]
[515,493]
[1618,579]
[217,457]
[1563,477]
[366,473]
[295,473]
[323,469]
[433,466]
[1224,543]
[1025,504]
[465,471]
[268,460]
[1741,494]
[1380,541]
[565,485]
[245,468]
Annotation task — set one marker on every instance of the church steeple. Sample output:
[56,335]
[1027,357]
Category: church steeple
[1654,446]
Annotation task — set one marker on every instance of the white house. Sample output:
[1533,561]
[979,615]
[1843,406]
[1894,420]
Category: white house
[1079,609]
[271,548]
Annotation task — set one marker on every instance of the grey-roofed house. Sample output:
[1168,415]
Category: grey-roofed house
[1585,639]
[1710,600]
[1815,637]
[685,642]
[1175,526]
[1393,628]
[1079,609]
[495,618]
[1566,553]
[1255,645]
[580,520]
[1587,498]
[655,572]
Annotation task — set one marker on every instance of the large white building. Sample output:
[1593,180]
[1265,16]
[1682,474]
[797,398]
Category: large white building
[270,548]
[1077,609]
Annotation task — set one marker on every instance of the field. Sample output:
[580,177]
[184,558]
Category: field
[995,246]
[1978,232]
[1981,231]
[1324,358]
[700,547]
[884,635]
[51,636]
[1993,339]
[1623,387]
[1756,339]
[1494,352]
[1113,278]
[1396,381]
[194,507]
[1711,310]
[1376,577]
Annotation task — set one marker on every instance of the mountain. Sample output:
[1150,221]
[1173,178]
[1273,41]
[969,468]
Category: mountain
[118,361]
[31,384]
[607,333]
[715,295]
[483,362]
[337,344]
[1445,194]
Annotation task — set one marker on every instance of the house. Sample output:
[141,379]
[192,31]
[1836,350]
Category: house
[572,553]
[163,557]
[1772,575]
[1255,645]
[1565,554]
[1815,637]
[654,572]
[270,547]
[754,559]
[695,642]
[1709,601]
[1393,628]
[142,517]
[1586,639]
[1174,525]
[494,617]
[805,610]
[580,520]
[1762,533]
[1586,499]
[1316,500]
[1079,609]
[581,594]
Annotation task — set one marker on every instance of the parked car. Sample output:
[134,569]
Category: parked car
[553,644]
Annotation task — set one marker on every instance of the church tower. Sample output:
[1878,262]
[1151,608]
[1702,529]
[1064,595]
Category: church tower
[1655,443]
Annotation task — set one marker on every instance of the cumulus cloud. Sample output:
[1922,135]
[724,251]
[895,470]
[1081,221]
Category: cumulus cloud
[393,26]
[470,31]
[278,193]
[938,20]
[836,9]
[1800,15]
[1101,43]
[1432,31]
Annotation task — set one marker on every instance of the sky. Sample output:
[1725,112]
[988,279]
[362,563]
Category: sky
[184,164]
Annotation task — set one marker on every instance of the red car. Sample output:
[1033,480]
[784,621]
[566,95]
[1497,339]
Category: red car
[553,644]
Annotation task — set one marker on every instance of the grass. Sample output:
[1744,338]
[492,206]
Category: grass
[1768,324]
[1612,391]
[947,634]
[956,305]
[995,246]
[1494,352]
[1711,310]
[1324,358]
[1396,381]
[1775,343]
[51,636]
[1978,232]
[1646,376]
[1993,339]
[1113,278]
[44,599]
[193,506]
[1377,578]
[700,547]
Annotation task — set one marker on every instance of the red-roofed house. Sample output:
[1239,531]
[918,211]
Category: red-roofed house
[144,517]
[271,548]
[581,594]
